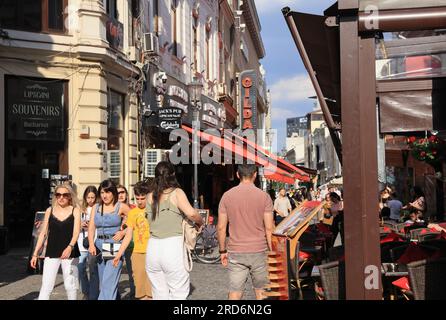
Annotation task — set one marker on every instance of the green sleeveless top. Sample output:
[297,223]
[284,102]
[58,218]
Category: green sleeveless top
[168,222]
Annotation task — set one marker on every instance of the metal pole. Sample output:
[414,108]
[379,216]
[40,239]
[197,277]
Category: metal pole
[195,153]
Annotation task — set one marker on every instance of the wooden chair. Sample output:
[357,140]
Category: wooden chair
[428,279]
[333,280]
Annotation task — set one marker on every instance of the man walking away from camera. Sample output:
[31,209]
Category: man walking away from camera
[249,212]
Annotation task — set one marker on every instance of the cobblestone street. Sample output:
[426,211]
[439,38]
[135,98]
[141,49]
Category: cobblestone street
[208,282]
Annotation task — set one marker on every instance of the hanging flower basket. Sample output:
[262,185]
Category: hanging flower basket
[425,149]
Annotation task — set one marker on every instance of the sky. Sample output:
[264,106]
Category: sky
[286,75]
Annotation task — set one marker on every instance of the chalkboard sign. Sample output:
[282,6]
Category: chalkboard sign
[169,119]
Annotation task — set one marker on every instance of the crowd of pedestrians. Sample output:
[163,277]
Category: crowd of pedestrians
[90,240]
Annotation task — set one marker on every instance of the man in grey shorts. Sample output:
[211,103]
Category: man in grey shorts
[249,212]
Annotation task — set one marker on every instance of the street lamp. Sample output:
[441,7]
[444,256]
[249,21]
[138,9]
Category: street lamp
[195,91]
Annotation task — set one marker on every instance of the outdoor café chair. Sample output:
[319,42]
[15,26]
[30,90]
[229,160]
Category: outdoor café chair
[428,236]
[333,280]
[399,226]
[389,223]
[428,279]
[415,233]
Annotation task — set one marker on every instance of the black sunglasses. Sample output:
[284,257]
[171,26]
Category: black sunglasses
[65,195]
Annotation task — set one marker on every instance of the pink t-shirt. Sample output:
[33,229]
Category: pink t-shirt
[245,205]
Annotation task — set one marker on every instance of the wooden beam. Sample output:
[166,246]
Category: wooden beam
[360,164]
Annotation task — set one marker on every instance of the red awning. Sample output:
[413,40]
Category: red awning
[298,173]
[271,171]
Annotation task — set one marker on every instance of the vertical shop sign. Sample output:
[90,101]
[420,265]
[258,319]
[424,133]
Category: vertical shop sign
[248,103]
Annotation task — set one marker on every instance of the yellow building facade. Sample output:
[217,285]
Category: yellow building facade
[68,103]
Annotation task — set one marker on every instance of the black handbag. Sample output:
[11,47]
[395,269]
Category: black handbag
[85,243]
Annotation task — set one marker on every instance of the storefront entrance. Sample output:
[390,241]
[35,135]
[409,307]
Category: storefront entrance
[35,148]
[27,186]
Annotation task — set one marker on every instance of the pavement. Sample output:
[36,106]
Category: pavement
[208,281]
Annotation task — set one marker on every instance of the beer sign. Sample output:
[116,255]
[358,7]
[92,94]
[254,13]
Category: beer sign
[169,119]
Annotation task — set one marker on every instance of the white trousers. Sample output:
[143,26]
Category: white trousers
[70,277]
[165,268]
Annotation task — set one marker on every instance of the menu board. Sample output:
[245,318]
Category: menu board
[298,218]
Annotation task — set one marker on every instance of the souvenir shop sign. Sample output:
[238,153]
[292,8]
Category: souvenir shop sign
[169,119]
[35,109]
[248,102]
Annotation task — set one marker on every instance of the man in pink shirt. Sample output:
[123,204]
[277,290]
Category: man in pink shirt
[249,212]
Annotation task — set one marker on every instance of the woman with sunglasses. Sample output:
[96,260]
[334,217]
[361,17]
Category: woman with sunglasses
[107,218]
[89,287]
[61,226]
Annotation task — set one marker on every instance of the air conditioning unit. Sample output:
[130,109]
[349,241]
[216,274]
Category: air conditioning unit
[150,43]
[134,54]
[151,158]
[222,89]
[114,163]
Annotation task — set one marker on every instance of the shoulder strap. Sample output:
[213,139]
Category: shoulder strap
[118,205]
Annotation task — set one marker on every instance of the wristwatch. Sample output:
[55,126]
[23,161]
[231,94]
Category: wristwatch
[223,251]
[71,246]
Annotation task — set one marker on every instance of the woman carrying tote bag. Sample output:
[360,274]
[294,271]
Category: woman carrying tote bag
[165,255]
